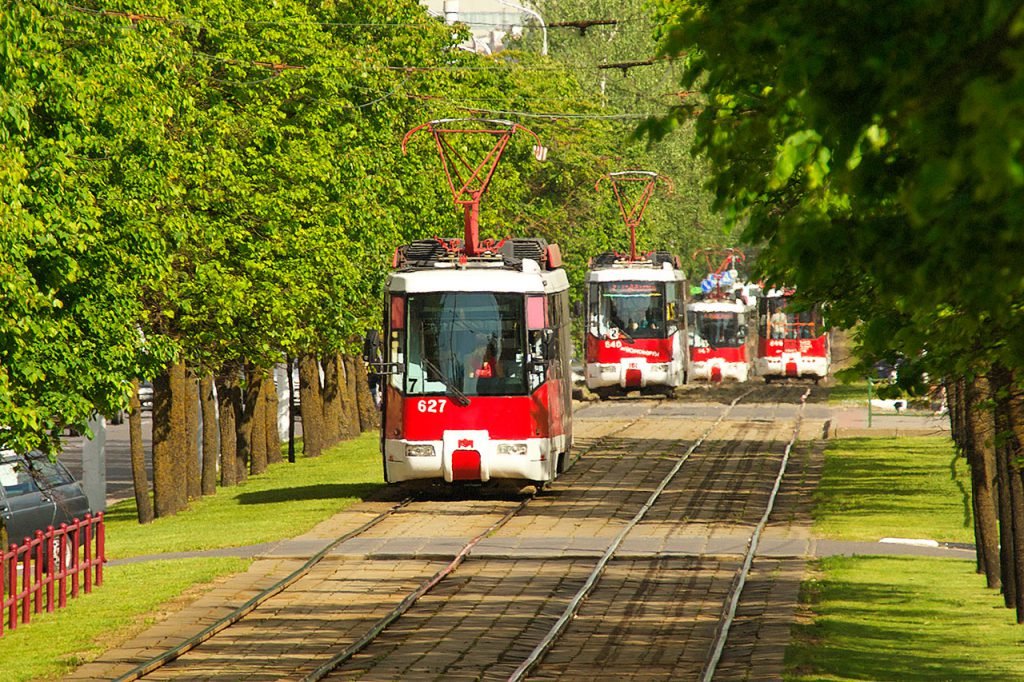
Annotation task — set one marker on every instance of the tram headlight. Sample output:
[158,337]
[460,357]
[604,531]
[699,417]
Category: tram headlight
[419,450]
[512,448]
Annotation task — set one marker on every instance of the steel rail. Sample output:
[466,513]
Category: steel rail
[410,599]
[371,634]
[734,598]
[556,630]
[159,661]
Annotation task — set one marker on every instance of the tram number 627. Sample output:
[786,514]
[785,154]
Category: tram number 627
[432,406]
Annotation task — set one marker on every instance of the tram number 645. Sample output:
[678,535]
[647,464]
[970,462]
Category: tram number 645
[432,406]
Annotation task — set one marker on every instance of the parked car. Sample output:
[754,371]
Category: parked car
[146,395]
[35,493]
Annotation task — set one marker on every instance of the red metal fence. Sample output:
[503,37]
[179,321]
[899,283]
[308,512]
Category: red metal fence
[43,571]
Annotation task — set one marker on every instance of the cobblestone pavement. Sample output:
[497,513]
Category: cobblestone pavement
[652,616]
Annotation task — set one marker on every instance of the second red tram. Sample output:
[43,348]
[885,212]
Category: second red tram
[636,324]
[790,344]
[477,348]
[718,340]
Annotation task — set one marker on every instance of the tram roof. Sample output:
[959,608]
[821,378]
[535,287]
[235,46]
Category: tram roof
[717,306]
[531,280]
[636,273]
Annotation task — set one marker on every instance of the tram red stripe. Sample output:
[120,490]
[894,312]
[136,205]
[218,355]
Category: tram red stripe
[612,351]
[539,415]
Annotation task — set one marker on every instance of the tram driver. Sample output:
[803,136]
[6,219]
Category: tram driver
[778,323]
[482,362]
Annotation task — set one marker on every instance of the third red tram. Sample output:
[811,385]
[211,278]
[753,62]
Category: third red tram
[791,343]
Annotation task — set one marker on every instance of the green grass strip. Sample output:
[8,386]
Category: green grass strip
[899,618]
[855,393]
[873,488]
[285,501]
[129,600]
[904,619]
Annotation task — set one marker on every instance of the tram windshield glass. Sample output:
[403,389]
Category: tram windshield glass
[635,308]
[468,342]
[716,329]
[776,322]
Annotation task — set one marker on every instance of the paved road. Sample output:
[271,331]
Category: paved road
[118,457]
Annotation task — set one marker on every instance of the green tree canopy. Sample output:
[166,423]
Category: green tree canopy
[876,156]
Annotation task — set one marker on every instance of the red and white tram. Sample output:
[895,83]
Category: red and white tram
[718,323]
[480,382]
[478,385]
[636,312]
[718,340]
[636,324]
[790,344]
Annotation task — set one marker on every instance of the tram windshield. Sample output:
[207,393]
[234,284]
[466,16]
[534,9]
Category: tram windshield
[716,329]
[779,323]
[466,342]
[634,308]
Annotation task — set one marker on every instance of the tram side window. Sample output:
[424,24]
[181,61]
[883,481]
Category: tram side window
[396,356]
[594,311]
[674,307]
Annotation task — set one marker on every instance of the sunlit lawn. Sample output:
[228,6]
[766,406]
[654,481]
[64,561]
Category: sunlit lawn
[894,487]
[286,501]
[849,394]
[900,618]
[125,604]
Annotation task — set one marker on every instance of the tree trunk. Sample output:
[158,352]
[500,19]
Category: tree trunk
[163,468]
[242,434]
[951,408]
[1015,452]
[292,412]
[143,503]
[954,399]
[208,406]
[226,389]
[333,395]
[311,406]
[255,421]
[270,408]
[353,368]
[192,464]
[179,433]
[369,415]
[1000,387]
[168,425]
[981,455]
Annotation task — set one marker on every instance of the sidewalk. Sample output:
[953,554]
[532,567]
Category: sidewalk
[851,421]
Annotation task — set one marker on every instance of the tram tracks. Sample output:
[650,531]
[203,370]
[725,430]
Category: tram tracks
[237,614]
[608,441]
[545,645]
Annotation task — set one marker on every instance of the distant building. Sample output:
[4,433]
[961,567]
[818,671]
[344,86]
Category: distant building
[491,21]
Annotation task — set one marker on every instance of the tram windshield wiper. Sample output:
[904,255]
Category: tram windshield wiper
[458,396]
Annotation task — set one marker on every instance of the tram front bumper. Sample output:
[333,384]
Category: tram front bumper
[628,375]
[718,370]
[467,456]
[793,366]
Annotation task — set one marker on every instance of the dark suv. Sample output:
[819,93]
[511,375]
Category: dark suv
[36,493]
